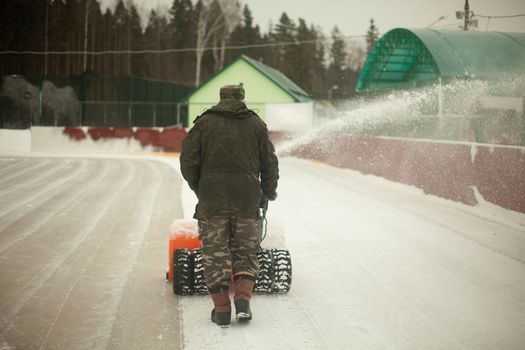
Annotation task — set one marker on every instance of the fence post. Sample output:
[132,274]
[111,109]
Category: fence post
[154,114]
[104,112]
[523,121]
[178,113]
[82,101]
[39,102]
[440,98]
[130,99]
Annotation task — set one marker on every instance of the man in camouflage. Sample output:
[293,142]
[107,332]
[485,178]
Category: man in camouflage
[229,161]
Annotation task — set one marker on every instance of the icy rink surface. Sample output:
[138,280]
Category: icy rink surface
[83,245]
[380,265]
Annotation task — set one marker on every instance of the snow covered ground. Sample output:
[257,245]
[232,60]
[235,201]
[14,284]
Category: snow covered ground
[376,265]
[379,265]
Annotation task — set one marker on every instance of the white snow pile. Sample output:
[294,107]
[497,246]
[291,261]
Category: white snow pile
[15,141]
[183,227]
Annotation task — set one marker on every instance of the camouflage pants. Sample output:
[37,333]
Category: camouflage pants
[229,244]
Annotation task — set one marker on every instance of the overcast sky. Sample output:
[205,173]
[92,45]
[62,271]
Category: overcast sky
[353,16]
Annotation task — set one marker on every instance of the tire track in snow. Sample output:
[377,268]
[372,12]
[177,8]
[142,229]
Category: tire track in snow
[40,197]
[408,303]
[13,304]
[154,322]
[18,230]
[426,217]
[50,174]
[460,282]
[278,323]
[7,166]
[112,267]
[338,250]
[14,176]
[100,312]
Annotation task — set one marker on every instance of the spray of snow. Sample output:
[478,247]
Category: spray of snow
[462,98]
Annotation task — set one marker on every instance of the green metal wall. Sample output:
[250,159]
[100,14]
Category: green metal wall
[131,101]
[405,58]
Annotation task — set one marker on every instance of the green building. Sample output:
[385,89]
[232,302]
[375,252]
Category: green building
[278,100]
[405,58]
[474,81]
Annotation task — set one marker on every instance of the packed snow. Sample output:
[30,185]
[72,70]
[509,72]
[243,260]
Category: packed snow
[376,265]
[379,265]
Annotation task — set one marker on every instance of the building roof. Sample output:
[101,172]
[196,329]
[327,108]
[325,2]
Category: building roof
[405,58]
[281,80]
[298,94]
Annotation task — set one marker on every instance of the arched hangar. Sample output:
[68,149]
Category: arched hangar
[406,58]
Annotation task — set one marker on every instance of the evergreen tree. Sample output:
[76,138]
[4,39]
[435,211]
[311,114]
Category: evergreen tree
[285,31]
[371,36]
[337,67]
[56,36]
[156,38]
[246,34]
[318,68]
[183,27]
[96,32]
[134,42]
[109,42]
[304,64]
[319,65]
[120,17]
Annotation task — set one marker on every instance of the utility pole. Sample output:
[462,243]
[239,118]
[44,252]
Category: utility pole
[467,15]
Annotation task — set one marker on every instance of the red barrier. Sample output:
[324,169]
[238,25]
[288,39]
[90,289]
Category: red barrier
[121,133]
[101,133]
[147,137]
[500,176]
[445,169]
[169,140]
[75,133]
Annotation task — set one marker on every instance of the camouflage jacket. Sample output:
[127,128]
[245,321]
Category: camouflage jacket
[228,160]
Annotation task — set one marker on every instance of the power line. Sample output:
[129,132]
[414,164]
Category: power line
[125,52]
[508,16]
[447,26]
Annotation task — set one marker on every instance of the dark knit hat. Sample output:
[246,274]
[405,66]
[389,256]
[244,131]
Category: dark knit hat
[232,91]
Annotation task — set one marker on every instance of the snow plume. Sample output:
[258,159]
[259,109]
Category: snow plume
[401,108]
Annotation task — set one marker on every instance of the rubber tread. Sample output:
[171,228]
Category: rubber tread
[182,272]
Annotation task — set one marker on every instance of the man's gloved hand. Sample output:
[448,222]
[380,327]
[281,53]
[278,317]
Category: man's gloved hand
[271,196]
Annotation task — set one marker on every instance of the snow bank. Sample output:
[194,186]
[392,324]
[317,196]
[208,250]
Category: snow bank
[15,141]
[53,140]
[443,168]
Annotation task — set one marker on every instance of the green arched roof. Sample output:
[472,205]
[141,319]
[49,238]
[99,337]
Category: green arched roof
[406,58]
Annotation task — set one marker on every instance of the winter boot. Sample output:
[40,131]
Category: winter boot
[221,313]
[243,293]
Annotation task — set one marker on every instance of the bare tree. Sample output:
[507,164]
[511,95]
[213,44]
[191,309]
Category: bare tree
[216,20]
[356,54]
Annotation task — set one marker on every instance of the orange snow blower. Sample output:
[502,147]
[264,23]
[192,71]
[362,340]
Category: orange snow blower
[186,271]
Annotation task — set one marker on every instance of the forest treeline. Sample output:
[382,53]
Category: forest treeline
[186,45]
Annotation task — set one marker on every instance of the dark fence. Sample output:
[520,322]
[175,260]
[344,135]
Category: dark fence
[91,100]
